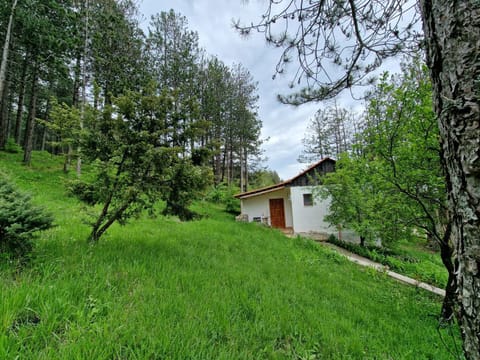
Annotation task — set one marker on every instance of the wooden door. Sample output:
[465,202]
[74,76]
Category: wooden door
[277,213]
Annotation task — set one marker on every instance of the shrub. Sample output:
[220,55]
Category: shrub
[19,221]
[186,184]
[224,194]
[83,191]
[12,147]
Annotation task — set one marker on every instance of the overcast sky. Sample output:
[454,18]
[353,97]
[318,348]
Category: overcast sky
[283,125]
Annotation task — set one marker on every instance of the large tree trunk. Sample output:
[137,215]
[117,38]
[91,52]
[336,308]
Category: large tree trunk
[452,42]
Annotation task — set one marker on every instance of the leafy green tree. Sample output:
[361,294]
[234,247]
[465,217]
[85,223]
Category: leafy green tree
[20,220]
[339,43]
[186,183]
[392,188]
[363,202]
[402,133]
[124,141]
[135,166]
[65,124]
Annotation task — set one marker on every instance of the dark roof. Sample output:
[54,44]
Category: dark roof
[282,184]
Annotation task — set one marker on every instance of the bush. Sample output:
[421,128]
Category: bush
[187,183]
[224,194]
[83,191]
[12,147]
[19,221]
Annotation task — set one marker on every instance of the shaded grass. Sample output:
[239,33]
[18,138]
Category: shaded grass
[407,258]
[208,289]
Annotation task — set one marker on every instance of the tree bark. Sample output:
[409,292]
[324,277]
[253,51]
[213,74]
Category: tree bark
[4,115]
[84,83]
[32,113]
[452,43]
[21,98]
[362,241]
[448,306]
[6,47]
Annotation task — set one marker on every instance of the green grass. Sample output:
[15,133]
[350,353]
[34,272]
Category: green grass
[427,266]
[408,258]
[208,289]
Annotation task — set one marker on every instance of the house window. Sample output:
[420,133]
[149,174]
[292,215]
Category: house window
[307,200]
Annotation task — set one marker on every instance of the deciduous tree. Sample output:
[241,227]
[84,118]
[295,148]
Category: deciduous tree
[339,43]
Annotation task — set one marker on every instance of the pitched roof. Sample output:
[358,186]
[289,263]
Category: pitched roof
[280,185]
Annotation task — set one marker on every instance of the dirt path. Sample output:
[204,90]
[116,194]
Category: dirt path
[366,262]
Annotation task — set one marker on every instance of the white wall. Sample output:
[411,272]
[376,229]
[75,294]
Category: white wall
[309,218]
[258,206]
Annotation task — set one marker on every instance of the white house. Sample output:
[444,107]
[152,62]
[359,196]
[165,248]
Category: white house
[291,205]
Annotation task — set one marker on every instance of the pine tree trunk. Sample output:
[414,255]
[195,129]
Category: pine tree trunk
[21,99]
[452,38]
[84,84]
[242,171]
[6,48]
[246,170]
[4,110]
[32,113]
[4,82]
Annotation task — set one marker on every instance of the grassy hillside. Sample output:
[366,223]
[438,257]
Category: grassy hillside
[209,289]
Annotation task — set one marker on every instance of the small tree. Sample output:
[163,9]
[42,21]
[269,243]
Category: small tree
[186,181]
[355,36]
[19,221]
[397,169]
[65,124]
[363,202]
[130,145]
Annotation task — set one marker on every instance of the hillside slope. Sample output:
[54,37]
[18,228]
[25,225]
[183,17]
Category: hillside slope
[209,289]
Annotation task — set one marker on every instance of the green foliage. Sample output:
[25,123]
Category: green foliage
[84,191]
[329,133]
[212,289]
[20,220]
[361,201]
[186,183]
[64,123]
[124,142]
[232,205]
[224,194]
[416,263]
[136,164]
[263,177]
[12,147]
[391,186]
